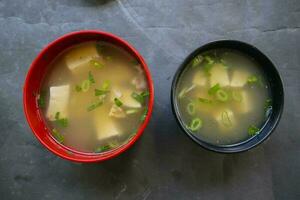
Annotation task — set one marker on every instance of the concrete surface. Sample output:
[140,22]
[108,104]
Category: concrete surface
[164,163]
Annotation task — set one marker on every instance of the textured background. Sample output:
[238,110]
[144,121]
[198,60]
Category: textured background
[164,163]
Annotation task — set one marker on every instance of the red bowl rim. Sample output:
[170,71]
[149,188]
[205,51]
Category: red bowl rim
[110,154]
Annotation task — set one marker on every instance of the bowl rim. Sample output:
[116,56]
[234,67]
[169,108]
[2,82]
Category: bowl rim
[92,157]
[234,148]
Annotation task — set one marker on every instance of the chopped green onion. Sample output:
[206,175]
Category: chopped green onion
[57,115]
[63,122]
[105,85]
[131,111]
[185,90]
[252,79]
[226,119]
[197,60]
[137,97]
[100,92]
[144,115]
[57,135]
[268,103]
[118,102]
[253,130]
[209,60]
[102,148]
[94,106]
[96,64]
[222,95]
[196,124]
[145,94]
[78,88]
[203,100]
[214,89]
[191,108]
[91,78]
[237,96]
[42,99]
[85,85]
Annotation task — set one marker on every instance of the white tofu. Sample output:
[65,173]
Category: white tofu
[226,119]
[219,75]
[81,56]
[58,101]
[200,78]
[105,127]
[239,78]
[139,82]
[245,105]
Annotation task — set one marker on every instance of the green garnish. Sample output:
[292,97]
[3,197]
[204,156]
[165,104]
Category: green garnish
[103,148]
[145,94]
[42,99]
[223,62]
[91,78]
[197,60]
[139,98]
[100,92]
[96,64]
[144,115]
[94,106]
[191,108]
[118,102]
[131,111]
[63,122]
[57,135]
[185,90]
[85,85]
[222,95]
[209,60]
[78,88]
[105,85]
[226,119]
[203,100]
[268,104]
[196,124]
[214,89]
[236,96]
[253,130]
[252,79]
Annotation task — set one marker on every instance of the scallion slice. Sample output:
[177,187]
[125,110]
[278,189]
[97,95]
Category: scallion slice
[214,89]
[191,108]
[85,85]
[57,135]
[222,95]
[118,102]
[94,105]
[196,124]
[91,78]
[96,64]
[253,130]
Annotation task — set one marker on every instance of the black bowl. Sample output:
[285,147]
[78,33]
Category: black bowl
[276,88]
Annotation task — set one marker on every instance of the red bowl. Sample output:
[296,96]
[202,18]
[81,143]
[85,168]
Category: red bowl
[33,82]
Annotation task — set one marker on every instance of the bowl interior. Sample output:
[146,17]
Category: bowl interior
[34,78]
[276,89]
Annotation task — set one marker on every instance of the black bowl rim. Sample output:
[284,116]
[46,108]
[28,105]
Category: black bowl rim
[240,147]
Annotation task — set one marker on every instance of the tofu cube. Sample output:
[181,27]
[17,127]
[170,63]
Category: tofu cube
[125,96]
[200,78]
[219,74]
[58,101]
[79,57]
[239,78]
[106,128]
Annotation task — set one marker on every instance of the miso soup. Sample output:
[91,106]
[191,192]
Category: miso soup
[94,97]
[222,97]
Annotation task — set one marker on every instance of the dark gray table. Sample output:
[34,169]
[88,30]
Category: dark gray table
[164,163]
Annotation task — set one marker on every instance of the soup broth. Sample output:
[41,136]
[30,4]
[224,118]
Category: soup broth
[94,97]
[223,97]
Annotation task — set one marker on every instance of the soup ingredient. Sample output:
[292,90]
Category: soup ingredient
[80,56]
[58,136]
[58,101]
[197,60]
[219,75]
[63,122]
[253,130]
[85,85]
[41,99]
[117,112]
[118,102]
[226,90]
[96,64]
[95,105]
[196,124]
